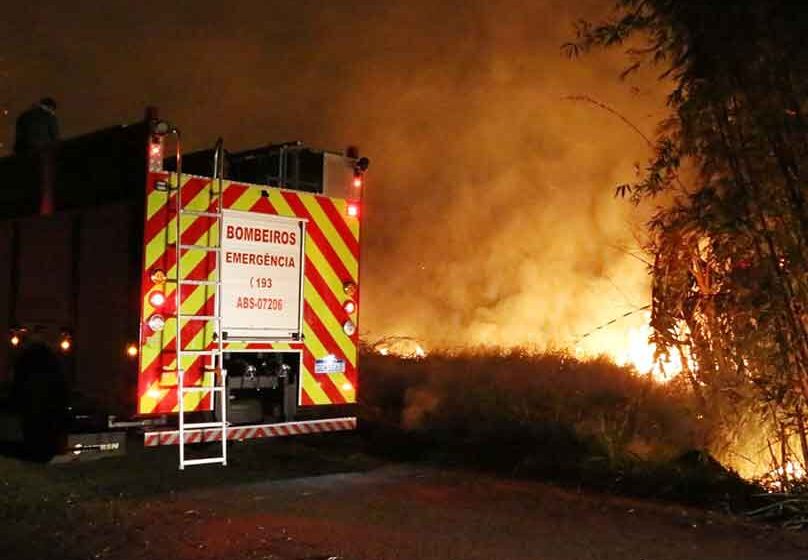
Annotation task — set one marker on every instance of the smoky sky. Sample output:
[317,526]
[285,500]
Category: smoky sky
[489,211]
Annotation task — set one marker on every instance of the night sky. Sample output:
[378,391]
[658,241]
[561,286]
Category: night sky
[490,206]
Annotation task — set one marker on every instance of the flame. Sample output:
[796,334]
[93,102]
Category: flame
[402,347]
[626,346]
[632,347]
[792,470]
[640,353]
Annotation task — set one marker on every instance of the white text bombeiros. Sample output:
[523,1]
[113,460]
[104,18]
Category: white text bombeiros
[261,235]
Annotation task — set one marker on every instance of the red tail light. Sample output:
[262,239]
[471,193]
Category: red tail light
[359,172]
[156,154]
[353,209]
[157,299]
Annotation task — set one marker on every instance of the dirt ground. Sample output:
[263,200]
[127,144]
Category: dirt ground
[323,498]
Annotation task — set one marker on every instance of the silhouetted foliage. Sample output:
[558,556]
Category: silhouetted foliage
[730,277]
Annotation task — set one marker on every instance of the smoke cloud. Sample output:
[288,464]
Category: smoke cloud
[490,215]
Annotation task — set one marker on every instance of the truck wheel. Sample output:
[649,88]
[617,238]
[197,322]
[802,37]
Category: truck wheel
[41,393]
[43,436]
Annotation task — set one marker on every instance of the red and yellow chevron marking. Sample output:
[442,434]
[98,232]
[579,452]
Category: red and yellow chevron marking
[331,259]
[172,437]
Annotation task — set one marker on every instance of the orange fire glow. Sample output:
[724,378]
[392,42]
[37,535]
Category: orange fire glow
[631,347]
[400,346]
[791,471]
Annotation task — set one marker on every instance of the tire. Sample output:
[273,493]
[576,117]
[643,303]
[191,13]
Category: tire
[41,392]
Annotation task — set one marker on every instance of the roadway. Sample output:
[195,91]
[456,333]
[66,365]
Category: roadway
[377,511]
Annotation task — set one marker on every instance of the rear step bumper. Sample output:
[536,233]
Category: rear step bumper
[153,438]
[89,446]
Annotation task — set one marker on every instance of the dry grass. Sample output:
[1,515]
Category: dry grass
[548,415]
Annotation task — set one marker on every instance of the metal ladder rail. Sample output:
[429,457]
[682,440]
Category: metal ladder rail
[215,364]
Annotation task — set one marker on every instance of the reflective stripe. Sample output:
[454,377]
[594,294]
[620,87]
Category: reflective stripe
[171,437]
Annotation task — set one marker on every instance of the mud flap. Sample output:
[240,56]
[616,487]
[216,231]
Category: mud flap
[88,447]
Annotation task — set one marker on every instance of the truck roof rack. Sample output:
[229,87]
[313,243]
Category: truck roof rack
[290,165]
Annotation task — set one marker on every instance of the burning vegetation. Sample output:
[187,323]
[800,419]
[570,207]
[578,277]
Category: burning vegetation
[725,246]
[548,415]
[728,241]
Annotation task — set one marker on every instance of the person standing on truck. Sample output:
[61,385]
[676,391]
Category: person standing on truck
[37,128]
[37,133]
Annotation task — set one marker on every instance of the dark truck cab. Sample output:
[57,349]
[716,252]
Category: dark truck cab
[69,285]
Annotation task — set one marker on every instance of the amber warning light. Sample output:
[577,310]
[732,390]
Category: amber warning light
[158,276]
[350,288]
[66,343]
[16,336]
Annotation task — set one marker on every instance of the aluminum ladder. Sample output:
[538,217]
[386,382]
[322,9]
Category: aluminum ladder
[214,356]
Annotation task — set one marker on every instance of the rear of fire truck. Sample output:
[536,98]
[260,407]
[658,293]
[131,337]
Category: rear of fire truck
[210,296]
[249,293]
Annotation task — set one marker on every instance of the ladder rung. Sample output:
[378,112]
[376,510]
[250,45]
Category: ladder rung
[206,461]
[200,213]
[188,247]
[182,317]
[203,425]
[192,282]
[201,389]
[199,282]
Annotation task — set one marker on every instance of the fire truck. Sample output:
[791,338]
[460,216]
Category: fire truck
[200,298]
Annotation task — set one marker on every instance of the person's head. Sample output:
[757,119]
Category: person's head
[48,103]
